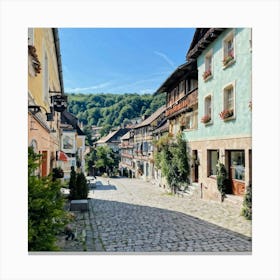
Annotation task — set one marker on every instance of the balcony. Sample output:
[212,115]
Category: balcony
[183,104]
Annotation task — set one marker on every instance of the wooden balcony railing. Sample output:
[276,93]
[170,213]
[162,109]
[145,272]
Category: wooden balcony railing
[183,104]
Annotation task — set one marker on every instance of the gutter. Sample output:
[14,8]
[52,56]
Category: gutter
[58,56]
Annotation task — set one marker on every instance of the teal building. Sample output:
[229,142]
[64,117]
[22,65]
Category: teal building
[224,128]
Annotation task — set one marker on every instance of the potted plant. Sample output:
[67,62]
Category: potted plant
[228,58]
[226,114]
[207,74]
[206,119]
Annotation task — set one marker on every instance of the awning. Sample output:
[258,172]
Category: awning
[62,156]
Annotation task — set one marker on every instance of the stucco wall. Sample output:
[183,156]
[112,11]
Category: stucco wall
[239,73]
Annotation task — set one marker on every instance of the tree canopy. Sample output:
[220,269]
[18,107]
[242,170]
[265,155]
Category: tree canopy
[109,110]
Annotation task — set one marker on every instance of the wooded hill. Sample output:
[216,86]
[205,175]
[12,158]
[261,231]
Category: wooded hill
[111,110]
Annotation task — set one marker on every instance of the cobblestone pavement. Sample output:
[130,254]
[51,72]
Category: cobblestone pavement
[129,215]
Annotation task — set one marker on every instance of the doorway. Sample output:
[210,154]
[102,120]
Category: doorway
[195,166]
[44,163]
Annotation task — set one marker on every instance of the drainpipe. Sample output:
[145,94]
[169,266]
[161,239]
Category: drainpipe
[58,55]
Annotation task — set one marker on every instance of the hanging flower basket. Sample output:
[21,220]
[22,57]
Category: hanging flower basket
[206,119]
[227,113]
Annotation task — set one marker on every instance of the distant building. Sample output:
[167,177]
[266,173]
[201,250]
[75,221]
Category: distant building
[113,139]
[143,146]
[72,144]
[96,132]
[127,165]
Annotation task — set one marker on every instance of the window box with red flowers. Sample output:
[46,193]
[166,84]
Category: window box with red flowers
[207,75]
[228,60]
[226,114]
[206,119]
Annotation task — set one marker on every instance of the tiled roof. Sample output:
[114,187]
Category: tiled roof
[107,137]
[152,117]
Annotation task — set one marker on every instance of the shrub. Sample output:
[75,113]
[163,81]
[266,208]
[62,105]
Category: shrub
[46,216]
[78,185]
[58,173]
[222,179]
[247,204]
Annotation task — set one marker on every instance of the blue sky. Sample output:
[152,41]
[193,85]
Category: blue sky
[121,60]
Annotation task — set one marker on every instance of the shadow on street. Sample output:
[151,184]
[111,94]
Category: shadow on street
[125,227]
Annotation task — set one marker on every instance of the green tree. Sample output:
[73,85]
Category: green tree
[105,161]
[46,216]
[172,158]
[82,187]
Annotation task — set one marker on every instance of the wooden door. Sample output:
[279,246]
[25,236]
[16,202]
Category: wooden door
[44,163]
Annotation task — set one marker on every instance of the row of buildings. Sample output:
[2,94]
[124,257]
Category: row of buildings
[52,131]
[208,99]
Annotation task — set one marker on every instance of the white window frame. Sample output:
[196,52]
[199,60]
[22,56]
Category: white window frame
[208,57]
[224,101]
[230,36]
[207,97]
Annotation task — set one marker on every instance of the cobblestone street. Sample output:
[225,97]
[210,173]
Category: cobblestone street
[129,215]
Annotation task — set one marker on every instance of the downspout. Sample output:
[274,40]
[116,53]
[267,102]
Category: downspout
[58,56]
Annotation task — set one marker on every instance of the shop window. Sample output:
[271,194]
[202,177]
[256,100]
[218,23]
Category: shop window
[237,164]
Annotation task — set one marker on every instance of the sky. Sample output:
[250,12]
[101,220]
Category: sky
[121,60]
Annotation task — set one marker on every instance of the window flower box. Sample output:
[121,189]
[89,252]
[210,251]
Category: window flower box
[227,59]
[207,74]
[227,113]
[206,119]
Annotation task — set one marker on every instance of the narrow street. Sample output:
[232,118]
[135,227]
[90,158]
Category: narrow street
[129,215]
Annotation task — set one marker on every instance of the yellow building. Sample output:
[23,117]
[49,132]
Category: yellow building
[45,95]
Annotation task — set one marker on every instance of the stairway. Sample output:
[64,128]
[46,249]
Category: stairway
[193,190]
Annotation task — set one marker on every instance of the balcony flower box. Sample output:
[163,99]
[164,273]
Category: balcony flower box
[207,74]
[206,119]
[227,113]
[227,59]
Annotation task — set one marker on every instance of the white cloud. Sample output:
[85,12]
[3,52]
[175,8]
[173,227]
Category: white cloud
[99,86]
[166,58]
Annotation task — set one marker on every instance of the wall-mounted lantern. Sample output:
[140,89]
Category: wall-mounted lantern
[59,102]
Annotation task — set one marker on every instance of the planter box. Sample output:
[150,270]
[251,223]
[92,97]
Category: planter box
[79,205]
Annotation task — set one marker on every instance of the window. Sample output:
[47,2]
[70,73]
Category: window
[237,164]
[229,102]
[208,66]
[207,109]
[229,51]
[213,157]
[182,87]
